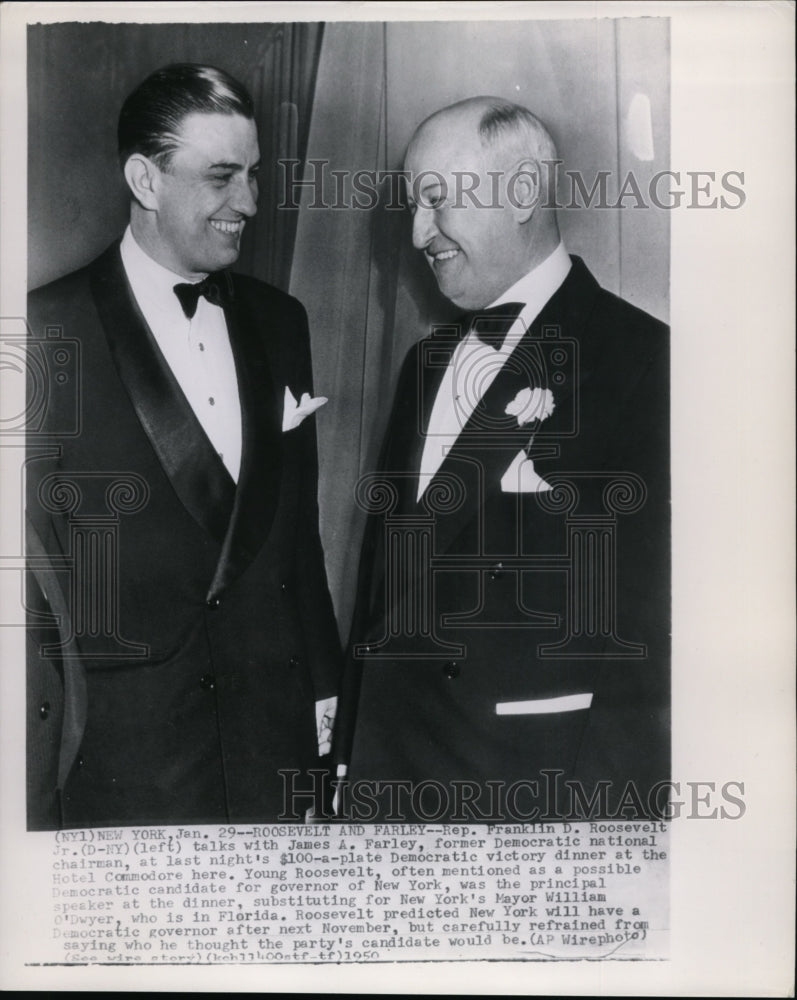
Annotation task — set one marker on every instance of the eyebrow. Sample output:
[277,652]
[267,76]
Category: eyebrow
[424,190]
[232,166]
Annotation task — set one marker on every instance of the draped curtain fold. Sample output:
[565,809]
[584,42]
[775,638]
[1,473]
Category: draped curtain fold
[339,274]
[282,85]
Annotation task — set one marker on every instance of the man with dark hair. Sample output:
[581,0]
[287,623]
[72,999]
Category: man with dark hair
[152,115]
[510,646]
[184,650]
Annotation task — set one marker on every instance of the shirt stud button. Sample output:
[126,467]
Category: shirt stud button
[44,710]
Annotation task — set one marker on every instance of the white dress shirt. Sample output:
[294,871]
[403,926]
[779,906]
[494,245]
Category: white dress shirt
[474,364]
[197,350]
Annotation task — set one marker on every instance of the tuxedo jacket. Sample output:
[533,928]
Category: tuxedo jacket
[512,637]
[180,624]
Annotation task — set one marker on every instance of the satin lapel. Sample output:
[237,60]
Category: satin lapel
[261,456]
[414,409]
[400,457]
[548,356]
[196,472]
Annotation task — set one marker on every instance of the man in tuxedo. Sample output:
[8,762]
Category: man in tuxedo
[510,645]
[183,648]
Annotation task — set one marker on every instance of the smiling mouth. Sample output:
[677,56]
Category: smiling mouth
[442,255]
[225,226]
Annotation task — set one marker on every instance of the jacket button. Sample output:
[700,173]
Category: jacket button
[451,670]
[294,661]
[80,760]
[284,587]
[213,603]
[44,710]
[207,682]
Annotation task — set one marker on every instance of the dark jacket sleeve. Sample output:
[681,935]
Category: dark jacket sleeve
[55,679]
[627,737]
[367,586]
[321,632]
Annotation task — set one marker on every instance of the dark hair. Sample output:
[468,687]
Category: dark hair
[152,115]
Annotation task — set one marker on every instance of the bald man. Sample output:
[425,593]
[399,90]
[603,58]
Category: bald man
[510,651]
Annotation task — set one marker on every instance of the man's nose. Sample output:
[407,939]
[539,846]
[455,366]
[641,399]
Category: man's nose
[424,228]
[244,199]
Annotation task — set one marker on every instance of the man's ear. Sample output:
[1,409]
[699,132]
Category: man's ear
[141,175]
[524,187]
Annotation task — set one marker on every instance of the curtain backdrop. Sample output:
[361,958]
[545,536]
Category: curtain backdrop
[78,77]
[601,86]
[282,84]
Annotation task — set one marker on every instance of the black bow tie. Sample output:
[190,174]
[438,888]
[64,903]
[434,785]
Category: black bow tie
[492,325]
[216,289]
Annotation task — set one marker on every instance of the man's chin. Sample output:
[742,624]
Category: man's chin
[466,298]
[219,261]
[462,295]
[462,300]
[453,292]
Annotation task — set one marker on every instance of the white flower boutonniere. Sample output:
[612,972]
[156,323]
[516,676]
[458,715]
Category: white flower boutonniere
[521,476]
[294,413]
[531,404]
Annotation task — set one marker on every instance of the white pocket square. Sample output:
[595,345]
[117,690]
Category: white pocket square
[294,413]
[545,706]
[520,477]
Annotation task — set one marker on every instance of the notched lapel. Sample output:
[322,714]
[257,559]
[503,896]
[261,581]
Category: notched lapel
[188,458]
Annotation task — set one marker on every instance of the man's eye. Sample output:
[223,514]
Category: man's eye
[221,179]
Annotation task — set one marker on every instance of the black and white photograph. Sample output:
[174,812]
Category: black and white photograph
[507,619]
[374,445]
